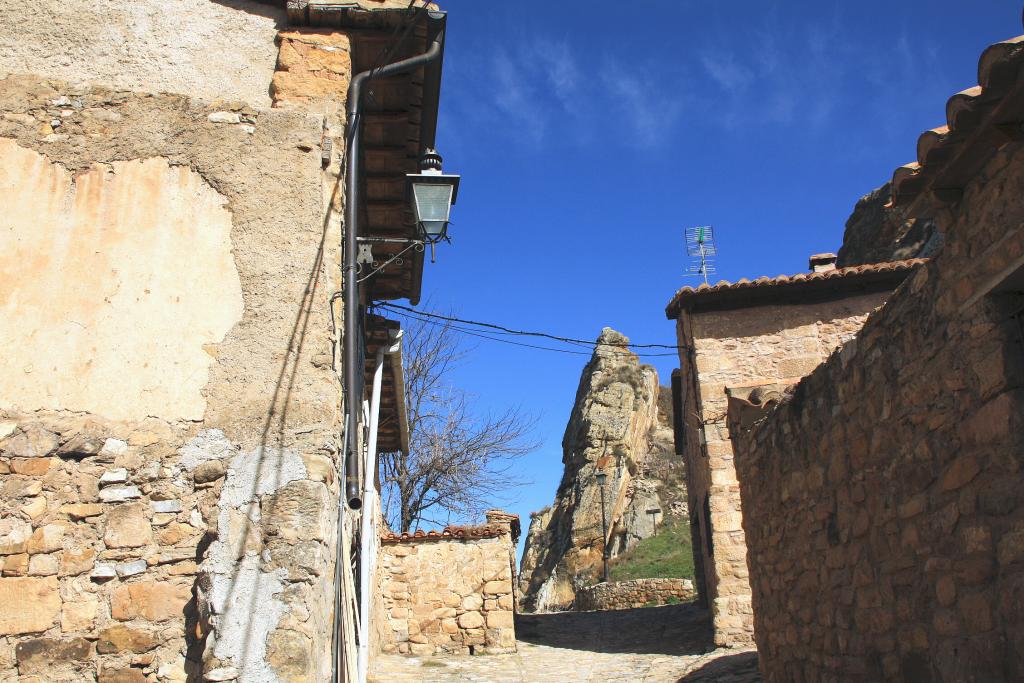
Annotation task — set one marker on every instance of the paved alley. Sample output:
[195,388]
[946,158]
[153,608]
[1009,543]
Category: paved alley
[670,644]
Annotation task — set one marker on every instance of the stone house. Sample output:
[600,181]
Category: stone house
[737,338]
[175,449]
[882,499]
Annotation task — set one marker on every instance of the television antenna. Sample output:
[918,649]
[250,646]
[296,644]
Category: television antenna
[700,247]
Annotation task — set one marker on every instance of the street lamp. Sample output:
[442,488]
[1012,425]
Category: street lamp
[433,194]
[601,478]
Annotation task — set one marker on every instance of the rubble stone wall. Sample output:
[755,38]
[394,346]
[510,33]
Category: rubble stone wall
[449,595]
[633,594]
[882,502]
[167,473]
[738,350]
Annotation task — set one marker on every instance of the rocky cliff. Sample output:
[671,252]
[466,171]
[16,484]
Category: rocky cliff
[621,423]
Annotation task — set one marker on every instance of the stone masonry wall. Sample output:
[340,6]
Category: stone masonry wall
[882,502]
[633,594]
[168,475]
[738,350]
[449,595]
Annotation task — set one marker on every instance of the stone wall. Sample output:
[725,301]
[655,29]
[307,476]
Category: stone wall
[737,350]
[633,594]
[882,501]
[170,407]
[450,592]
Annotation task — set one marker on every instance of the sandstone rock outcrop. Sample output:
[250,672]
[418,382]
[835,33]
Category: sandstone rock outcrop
[620,423]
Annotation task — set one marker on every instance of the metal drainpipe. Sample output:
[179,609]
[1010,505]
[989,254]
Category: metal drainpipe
[353,378]
[366,522]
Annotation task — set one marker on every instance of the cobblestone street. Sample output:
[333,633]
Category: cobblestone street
[669,644]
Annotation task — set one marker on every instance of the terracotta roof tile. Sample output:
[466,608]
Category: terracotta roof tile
[840,278]
[450,532]
[978,121]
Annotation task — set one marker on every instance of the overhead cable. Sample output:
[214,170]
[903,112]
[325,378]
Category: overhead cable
[424,316]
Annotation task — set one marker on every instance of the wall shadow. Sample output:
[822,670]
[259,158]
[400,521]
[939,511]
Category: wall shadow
[667,630]
[262,8]
[740,667]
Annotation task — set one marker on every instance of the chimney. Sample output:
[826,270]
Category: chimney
[822,263]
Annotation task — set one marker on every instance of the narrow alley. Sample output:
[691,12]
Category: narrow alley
[670,644]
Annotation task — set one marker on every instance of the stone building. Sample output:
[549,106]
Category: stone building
[882,495]
[736,338]
[173,442]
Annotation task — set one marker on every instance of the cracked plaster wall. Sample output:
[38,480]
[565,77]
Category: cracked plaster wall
[146,45]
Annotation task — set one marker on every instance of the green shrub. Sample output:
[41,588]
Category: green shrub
[667,555]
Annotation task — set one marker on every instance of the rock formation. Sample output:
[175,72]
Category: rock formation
[621,423]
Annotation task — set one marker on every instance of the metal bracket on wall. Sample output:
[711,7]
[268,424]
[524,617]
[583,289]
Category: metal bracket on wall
[365,255]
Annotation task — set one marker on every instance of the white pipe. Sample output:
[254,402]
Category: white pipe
[366,529]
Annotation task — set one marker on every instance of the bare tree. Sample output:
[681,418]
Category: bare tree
[458,462]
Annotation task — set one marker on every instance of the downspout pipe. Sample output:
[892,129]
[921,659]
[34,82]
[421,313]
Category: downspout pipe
[366,523]
[353,179]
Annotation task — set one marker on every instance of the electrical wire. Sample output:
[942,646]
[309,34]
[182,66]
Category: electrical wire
[443,322]
[506,330]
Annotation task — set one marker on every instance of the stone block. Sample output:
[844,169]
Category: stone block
[80,511]
[960,473]
[175,533]
[128,526]
[34,508]
[502,619]
[79,616]
[119,494]
[16,565]
[290,654]
[298,511]
[43,565]
[471,620]
[497,587]
[33,467]
[46,539]
[114,675]
[115,476]
[14,535]
[209,472]
[75,561]
[149,600]
[42,655]
[133,568]
[31,442]
[120,638]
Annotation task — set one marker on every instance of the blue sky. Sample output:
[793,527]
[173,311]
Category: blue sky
[590,134]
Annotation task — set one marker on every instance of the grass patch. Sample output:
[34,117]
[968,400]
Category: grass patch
[667,555]
[433,662]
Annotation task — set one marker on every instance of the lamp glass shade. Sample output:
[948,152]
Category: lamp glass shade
[433,202]
[432,194]
[601,477]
